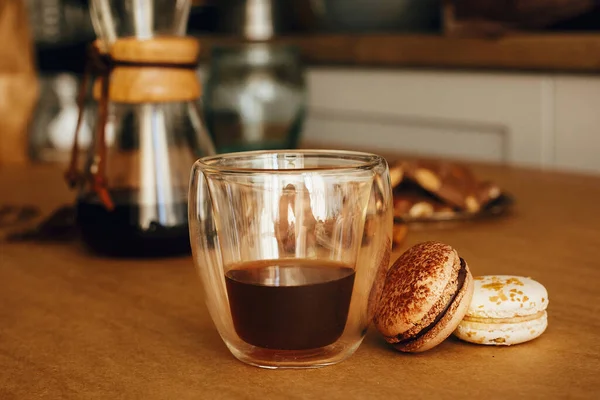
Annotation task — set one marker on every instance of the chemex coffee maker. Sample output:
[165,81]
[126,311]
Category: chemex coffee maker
[133,184]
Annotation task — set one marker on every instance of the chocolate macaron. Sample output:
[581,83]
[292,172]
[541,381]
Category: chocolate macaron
[426,294]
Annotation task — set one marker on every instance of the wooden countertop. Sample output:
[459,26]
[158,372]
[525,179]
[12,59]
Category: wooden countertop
[73,326]
[524,52]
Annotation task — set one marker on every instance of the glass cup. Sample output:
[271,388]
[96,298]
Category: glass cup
[292,248]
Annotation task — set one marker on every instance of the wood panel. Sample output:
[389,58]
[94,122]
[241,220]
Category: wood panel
[539,52]
[75,326]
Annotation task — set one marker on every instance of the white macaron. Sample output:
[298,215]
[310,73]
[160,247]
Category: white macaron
[504,310]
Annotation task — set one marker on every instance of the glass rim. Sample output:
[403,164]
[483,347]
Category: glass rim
[364,161]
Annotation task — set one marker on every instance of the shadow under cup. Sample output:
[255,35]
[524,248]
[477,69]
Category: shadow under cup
[292,248]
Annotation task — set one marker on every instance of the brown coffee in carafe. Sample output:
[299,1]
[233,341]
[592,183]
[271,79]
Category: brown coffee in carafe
[134,184]
[290,304]
[131,229]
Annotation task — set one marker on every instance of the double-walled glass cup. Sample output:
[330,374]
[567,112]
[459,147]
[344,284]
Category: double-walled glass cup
[292,248]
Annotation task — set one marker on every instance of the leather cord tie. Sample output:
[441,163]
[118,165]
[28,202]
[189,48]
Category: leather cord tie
[100,65]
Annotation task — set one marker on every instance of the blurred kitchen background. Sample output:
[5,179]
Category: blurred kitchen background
[508,81]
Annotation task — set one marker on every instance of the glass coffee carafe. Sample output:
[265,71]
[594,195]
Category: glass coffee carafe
[134,183]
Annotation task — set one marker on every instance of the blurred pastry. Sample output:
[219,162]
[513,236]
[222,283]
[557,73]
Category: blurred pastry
[487,192]
[415,203]
[294,205]
[399,233]
[430,190]
[396,174]
[452,183]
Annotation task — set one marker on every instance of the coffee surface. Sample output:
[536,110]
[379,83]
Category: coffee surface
[290,304]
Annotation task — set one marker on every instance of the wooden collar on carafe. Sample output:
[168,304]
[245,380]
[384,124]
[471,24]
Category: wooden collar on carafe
[135,71]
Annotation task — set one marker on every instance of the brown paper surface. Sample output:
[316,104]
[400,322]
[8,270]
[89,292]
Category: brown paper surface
[18,81]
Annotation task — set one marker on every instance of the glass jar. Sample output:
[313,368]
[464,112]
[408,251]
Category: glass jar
[254,97]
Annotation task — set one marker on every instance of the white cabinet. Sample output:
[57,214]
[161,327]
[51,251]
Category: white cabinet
[577,122]
[538,120]
[470,115]
[535,120]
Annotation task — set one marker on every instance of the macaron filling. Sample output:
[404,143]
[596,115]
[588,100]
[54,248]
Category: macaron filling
[462,275]
[514,320]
